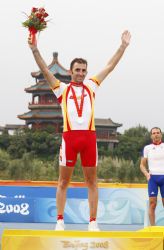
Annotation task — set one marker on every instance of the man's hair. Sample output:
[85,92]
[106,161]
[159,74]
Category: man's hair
[155,128]
[78,60]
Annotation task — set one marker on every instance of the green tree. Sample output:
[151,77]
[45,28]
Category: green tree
[130,172]
[131,143]
[4,160]
[18,145]
[4,140]
[106,169]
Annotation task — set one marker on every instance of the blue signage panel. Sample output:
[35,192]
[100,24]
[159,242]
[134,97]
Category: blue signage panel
[16,210]
[38,204]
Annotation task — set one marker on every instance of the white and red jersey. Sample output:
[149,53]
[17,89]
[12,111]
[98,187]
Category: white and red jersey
[64,95]
[155,157]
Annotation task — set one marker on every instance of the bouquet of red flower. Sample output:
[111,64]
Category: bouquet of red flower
[36,22]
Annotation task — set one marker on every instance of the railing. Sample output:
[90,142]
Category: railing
[43,103]
[107,136]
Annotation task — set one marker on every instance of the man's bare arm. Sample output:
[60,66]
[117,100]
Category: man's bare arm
[116,57]
[51,79]
[143,167]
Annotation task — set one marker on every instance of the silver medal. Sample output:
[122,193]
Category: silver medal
[80,120]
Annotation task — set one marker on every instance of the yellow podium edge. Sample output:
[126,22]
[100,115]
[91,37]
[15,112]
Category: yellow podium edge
[81,234]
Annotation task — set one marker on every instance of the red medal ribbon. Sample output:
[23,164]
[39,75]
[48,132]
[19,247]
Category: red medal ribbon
[79,108]
[157,143]
[79,84]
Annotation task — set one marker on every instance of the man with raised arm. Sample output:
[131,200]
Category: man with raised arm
[79,136]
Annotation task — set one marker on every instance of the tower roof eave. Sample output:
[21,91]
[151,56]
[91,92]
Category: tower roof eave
[106,122]
[38,87]
[40,115]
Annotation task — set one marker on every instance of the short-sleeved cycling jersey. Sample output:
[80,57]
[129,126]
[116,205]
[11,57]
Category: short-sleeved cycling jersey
[64,95]
[155,157]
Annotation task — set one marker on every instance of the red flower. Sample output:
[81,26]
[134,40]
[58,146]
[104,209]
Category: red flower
[34,10]
[42,20]
[45,14]
[41,10]
[39,15]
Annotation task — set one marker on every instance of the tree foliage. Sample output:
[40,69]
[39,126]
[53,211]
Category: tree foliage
[131,143]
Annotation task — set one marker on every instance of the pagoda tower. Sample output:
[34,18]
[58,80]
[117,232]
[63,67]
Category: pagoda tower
[44,107]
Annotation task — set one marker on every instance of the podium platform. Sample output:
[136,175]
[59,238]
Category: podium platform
[80,240]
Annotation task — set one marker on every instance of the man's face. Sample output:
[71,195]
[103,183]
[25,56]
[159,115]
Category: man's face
[79,72]
[156,135]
